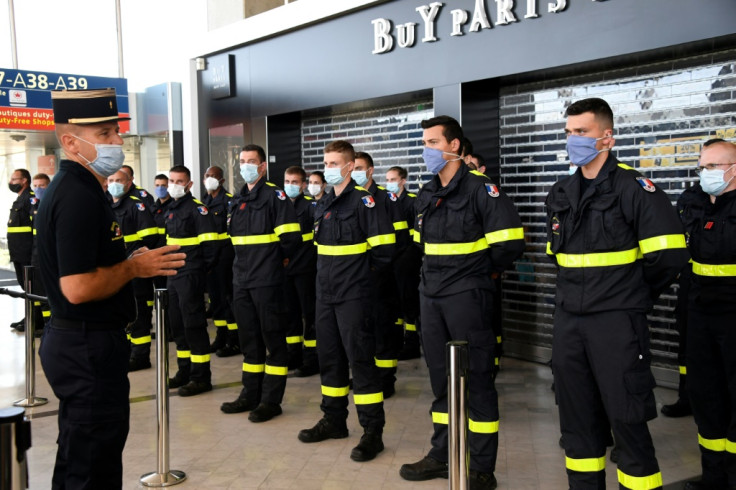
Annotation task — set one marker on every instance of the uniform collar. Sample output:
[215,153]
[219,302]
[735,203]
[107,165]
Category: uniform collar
[178,202]
[250,194]
[83,174]
[435,186]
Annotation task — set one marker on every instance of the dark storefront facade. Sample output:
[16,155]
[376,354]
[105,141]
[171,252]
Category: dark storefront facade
[507,70]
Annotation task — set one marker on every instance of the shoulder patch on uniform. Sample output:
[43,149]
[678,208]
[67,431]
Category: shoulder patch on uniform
[34,200]
[203,210]
[479,174]
[392,196]
[492,190]
[313,203]
[270,184]
[646,184]
[280,194]
[143,193]
[140,206]
[368,201]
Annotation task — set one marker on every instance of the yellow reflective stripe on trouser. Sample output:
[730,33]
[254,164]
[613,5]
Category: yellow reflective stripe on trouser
[716,445]
[131,238]
[401,225]
[254,239]
[714,270]
[253,368]
[505,235]
[335,392]
[294,339]
[149,302]
[387,363]
[399,321]
[183,354]
[184,242]
[440,418]
[482,427]
[410,327]
[417,236]
[220,323]
[377,240]
[358,248]
[310,343]
[455,248]
[307,236]
[549,249]
[20,229]
[200,358]
[141,340]
[585,465]
[662,242]
[147,232]
[286,228]
[277,370]
[232,326]
[603,259]
[367,399]
[499,339]
[640,482]
[683,370]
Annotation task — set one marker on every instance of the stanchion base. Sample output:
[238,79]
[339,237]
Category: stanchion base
[163,479]
[31,402]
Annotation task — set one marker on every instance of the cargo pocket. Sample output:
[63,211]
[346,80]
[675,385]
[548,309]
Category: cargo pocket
[641,405]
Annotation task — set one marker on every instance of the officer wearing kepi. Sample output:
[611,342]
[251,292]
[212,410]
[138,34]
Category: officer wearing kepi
[618,244]
[708,211]
[20,228]
[87,275]
[468,229]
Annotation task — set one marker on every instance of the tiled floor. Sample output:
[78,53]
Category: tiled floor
[221,451]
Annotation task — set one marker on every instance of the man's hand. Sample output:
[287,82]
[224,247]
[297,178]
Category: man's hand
[157,262]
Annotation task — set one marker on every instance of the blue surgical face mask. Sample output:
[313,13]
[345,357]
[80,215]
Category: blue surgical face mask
[392,187]
[109,159]
[292,190]
[334,176]
[161,191]
[249,172]
[712,181]
[572,170]
[116,189]
[434,160]
[38,191]
[360,177]
[582,150]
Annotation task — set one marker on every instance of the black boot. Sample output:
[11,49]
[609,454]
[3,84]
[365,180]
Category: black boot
[325,429]
[243,403]
[427,468]
[481,481]
[369,446]
[264,412]
[681,408]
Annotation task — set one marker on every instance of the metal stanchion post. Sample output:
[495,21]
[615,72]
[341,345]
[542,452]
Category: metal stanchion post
[457,367]
[163,477]
[31,400]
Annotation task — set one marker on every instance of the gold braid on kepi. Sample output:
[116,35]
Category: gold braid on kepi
[85,106]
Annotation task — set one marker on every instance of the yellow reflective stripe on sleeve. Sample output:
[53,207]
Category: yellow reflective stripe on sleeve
[46,313]
[482,427]
[411,232]
[549,249]
[162,231]
[730,446]
[307,236]
[295,339]
[253,368]
[499,339]
[585,465]
[358,248]
[640,482]
[34,232]
[183,354]
[377,240]
[220,323]
[716,445]
[36,303]
[368,398]
[232,326]
[399,321]
[141,340]
[497,362]
[310,343]
[440,418]
[505,235]
[200,359]
[148,232]
[208,237]
[714,270]
[254,239]
[335,392]
[455,248]
[417,237]
[184,242]
[603,259]
[683,370]
[401,225]
[277,370]
[131,238]
[662,242]
[410,327]
[387,363]
[19,229]
[287,228]
[149,303]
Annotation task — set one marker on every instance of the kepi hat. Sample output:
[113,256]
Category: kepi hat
[85,106]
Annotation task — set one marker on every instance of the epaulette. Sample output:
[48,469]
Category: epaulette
[361,188]
[197,201]
[308,198]
[479,174]
[133,197]
[411,194]
[270,184]
[381,187]
[228,194]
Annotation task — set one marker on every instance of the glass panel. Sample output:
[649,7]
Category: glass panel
[225,145]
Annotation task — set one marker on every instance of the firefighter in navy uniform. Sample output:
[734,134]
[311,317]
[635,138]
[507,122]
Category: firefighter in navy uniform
[354,243]
[407,265]
[139,192]
[160,206]
[467,229]
[41,309]
[618,244]
[139,230]
[387,316]
[708,211]
[220,279]
[20,228]
[264,230]
[190,224]
[301,335]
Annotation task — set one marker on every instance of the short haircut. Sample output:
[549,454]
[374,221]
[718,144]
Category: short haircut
[42,176]
[217,170]
[128,169]
[599,107]
[467,147]
[24,174]
[181,169]
[258,149]
[713,141]
[161,177]
[451,129]
[319,174]
[403,174]
[341,146]
[364,156]
[297,170]
[479,157]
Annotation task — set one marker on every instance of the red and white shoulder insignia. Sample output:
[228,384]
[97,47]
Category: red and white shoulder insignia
[368,201]
[392,196]
[203,210]
[492,190]
[281,194]
[646,184]
[140,206]
[34,200]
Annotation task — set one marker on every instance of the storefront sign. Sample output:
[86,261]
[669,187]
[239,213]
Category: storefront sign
[25,97]
[386,32]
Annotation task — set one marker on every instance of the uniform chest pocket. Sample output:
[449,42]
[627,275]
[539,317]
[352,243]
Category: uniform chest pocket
[558,225]
[605,225]
[346,230]
[729,239]
[180,226]
[451,221]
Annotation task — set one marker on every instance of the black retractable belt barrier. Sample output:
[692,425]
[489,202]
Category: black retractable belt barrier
[163,477]
[457,368]
[15,439]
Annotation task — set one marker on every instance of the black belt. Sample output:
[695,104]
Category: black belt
[85,325]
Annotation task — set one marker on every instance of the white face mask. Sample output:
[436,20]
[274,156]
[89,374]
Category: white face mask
[211,184]
[314,189]
[177,191]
